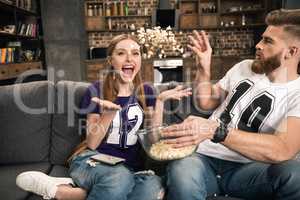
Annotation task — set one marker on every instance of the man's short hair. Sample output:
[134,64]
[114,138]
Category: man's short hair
[289,20]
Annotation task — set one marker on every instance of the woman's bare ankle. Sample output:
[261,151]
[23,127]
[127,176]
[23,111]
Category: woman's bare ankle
[62,191]
[67,192]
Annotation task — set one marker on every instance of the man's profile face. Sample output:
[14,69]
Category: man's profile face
[270,50]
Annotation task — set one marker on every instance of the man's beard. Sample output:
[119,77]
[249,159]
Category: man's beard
[266,66]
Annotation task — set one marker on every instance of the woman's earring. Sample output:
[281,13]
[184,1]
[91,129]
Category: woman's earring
[114,76]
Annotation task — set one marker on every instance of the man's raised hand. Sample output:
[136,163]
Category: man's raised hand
[199,44]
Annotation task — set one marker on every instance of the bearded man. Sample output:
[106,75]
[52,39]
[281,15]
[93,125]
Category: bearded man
[246,148]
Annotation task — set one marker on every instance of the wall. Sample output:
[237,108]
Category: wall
[64,38]
[224,43]
[291,4]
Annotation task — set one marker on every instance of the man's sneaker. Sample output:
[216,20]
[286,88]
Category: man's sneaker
[40,183]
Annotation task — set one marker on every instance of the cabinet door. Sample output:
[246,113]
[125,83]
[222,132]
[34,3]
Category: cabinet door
[189,14]
[4,73]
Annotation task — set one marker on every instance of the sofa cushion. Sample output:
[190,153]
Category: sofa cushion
[25,122]
[8,174]
[65,133]
[59,171]
[35,197]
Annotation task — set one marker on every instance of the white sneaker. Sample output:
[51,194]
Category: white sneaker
[40,183]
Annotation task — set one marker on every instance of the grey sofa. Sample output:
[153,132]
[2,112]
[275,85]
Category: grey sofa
[40,126]
[39,141]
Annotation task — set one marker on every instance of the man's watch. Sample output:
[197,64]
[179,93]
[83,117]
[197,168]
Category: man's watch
[220,133]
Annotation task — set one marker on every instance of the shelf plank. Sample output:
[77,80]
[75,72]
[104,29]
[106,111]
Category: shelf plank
[128,16]
[27,37]
[16,36]
[240,26]
[106,30]
[241,12]
[5,34]
[208,14]
[225,28]
[21,64]
[26,12]
[93,1]
[188,1]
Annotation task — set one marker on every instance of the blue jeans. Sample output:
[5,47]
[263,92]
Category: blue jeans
[116,182]
[199,176]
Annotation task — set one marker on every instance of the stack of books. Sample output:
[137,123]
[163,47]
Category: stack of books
[27,30]
[7,55]
[17,55]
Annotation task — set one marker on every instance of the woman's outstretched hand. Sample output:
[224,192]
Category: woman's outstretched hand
[106,105]
[177,93]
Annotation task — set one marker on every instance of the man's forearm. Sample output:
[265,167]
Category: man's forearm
[256,146]
[206,97]
[157,117]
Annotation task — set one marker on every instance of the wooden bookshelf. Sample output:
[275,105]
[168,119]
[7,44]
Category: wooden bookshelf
[24,18]
[217,13]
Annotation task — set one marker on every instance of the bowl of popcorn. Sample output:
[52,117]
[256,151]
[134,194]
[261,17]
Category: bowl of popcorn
[156,147]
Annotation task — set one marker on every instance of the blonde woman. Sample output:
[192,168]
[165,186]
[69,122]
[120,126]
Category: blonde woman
[116,115]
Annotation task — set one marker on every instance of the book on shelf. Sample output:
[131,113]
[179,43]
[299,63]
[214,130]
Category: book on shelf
[24,4]
[28,30]
[34,30]
[10,55]
[3,55]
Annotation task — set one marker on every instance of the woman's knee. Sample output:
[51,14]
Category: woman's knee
[153,188]
[117,176]
[113,176]
[116,183]
[147,187]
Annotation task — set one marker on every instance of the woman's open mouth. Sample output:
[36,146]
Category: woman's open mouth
[128,70]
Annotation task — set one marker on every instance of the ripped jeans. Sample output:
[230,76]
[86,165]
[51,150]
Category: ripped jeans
[116,182]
